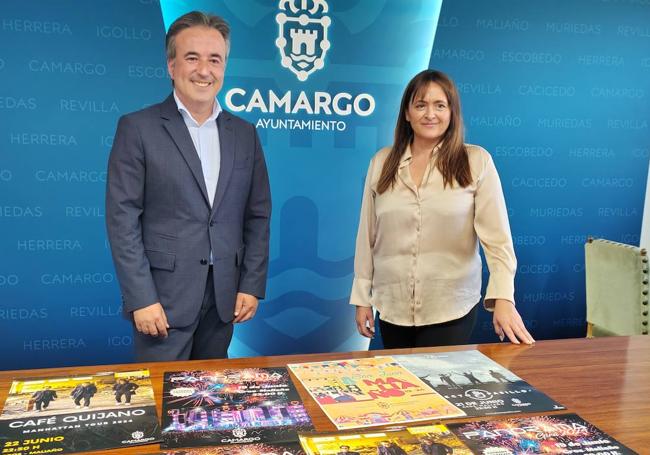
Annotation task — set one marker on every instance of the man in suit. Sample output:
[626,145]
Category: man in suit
[389,448]
[188,206]
[345,450]
[431,447]
[84,391]
[43,397]
[124,388]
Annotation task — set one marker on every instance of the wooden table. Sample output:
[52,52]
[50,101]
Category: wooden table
[604,380]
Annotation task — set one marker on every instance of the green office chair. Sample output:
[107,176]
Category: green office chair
[617,288]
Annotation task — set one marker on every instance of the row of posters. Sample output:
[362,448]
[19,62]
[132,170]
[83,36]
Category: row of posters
[560,434]
[258,411]
[546,434]
[375,391]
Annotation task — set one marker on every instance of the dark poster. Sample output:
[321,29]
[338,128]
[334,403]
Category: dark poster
[79,413]
[245,406]
[549,434]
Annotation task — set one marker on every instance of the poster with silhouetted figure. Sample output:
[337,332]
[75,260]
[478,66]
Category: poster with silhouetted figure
[477,384]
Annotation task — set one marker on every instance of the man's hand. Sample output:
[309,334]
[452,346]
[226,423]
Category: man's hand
[151,320]
[508,323]
[245,307]
[365,321]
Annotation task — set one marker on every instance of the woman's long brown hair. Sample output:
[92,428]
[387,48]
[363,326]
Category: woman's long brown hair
[451,159]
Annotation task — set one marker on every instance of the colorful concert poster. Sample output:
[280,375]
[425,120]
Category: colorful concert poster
[548,434]
[421,440]
[370,392]
[476,384]
[232,406]
[78,413]
[286,448]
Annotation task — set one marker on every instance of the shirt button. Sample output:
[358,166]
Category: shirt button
[211,223]
[204,261]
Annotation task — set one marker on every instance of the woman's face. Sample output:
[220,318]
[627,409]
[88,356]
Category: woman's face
[429,114]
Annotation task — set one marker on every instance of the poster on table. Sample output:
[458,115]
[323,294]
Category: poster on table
[421,440]
[78,413]
[231,406]
[359,393]
[283,448]
[545,434]
[477,384]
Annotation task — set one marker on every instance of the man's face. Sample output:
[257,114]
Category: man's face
[198,68]
[345,449]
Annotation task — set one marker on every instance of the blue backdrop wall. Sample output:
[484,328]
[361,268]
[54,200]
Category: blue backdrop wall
[557,91]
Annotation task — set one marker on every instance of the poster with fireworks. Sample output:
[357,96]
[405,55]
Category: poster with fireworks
[476,384]
[285,448]
[68,414]
[232,406]
[550,434]
[421,440]
[369,392]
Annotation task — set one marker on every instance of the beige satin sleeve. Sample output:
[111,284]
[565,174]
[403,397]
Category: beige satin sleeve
[493,230]
[363,263]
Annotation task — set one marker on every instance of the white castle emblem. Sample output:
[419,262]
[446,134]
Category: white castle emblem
[302,35]
[239,432]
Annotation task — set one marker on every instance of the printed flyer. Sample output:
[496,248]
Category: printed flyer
[476,384]
[547,434]
[288,448]
[233,406]
[421,440]
[369,392]
[79,413]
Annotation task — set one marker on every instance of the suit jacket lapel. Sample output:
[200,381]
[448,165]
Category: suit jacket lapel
[175,126]
[227,144]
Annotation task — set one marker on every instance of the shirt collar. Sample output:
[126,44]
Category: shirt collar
[407,155]
[216,110]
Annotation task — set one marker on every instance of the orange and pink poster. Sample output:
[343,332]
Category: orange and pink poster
[369,392]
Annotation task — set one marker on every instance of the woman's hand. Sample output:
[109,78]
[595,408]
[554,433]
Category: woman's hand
[365,321]
[507,323]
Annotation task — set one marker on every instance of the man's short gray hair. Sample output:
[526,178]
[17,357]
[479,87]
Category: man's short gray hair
[195,19]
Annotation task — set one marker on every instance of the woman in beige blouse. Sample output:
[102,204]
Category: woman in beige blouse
[429,199]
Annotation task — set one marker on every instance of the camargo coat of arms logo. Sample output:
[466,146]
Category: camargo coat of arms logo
[302,35]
